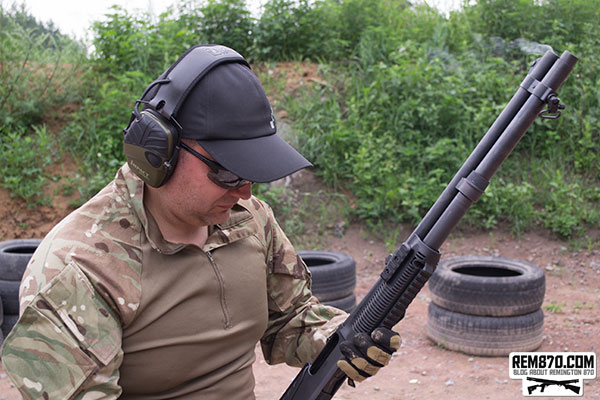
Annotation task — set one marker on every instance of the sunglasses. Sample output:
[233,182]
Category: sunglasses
[219,175]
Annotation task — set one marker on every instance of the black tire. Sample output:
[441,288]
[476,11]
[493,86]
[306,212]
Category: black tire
[9,323]
[1,323]
[14,257]
[9,293]
[347,303]
[488,286]
[333,274]
[485,336]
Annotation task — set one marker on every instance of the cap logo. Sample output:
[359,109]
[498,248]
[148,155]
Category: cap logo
[272,122]
[218,50]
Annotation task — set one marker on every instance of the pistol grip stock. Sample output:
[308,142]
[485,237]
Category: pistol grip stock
[305,386]
[572,388]
[320,379]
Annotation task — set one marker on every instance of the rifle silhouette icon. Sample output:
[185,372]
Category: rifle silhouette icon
[547,382]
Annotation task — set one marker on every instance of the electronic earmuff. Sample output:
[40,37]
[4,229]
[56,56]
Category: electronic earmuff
[151,140]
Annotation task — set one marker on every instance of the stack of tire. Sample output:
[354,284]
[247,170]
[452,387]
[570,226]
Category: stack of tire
[486,306]
[333,277]
[14,257]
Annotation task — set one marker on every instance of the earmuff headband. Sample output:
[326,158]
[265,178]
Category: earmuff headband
[184,75]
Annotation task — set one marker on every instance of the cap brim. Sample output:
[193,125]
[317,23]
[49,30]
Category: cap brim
[262,159]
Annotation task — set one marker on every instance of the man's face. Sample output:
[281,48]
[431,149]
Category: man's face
[193,197]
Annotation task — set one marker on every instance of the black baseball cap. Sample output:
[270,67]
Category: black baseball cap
[228,113]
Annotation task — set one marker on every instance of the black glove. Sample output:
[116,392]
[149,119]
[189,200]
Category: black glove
[366,354]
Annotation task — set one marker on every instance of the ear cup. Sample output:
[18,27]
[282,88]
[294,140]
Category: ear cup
[151,146]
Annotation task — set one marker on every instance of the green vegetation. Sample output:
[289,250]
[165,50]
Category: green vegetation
[555,308]
[41,71]
[394,125]
[307,217]
[405,94]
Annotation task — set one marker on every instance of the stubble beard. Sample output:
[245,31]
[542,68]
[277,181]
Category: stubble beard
[214,218]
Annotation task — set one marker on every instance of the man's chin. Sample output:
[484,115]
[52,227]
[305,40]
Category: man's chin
[219,217]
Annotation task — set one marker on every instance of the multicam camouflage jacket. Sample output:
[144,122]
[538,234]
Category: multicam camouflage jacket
[110,309]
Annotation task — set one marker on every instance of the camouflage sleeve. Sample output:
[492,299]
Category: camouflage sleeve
[298,324]
[67,342]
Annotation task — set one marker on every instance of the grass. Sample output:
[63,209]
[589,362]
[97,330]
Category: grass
[553,307]
[24,161]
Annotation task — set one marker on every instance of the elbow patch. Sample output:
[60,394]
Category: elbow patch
[63,336]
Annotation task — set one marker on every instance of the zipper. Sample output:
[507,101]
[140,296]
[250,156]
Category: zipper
[221,290]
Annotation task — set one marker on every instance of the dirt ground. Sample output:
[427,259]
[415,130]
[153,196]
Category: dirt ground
[424,370]
[421,369]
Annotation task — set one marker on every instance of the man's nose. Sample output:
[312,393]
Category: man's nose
[243,192]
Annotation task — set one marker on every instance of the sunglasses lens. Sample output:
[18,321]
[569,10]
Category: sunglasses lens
[217,174]
[226,179]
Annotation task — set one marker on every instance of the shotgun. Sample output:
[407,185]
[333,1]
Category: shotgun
[543,383]
[410,266]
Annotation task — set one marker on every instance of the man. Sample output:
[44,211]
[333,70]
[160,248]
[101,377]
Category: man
[160,286]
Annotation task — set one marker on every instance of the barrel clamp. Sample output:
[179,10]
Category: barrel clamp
[546,94]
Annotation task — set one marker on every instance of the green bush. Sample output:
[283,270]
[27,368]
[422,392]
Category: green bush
[570,206]
[554,22]
[405,94]
[95,135]
[405,129]
[290,29]
[37,68]
[410,111]
[505,202]
[227,22]
[320,30]
[40,72]
[24,159]
[127,42]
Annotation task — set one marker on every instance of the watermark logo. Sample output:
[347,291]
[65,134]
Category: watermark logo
[553,373]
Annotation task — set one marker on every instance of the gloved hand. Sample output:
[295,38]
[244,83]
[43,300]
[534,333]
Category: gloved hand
[366,354]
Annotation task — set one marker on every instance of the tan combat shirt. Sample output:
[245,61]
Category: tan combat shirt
[110,309]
